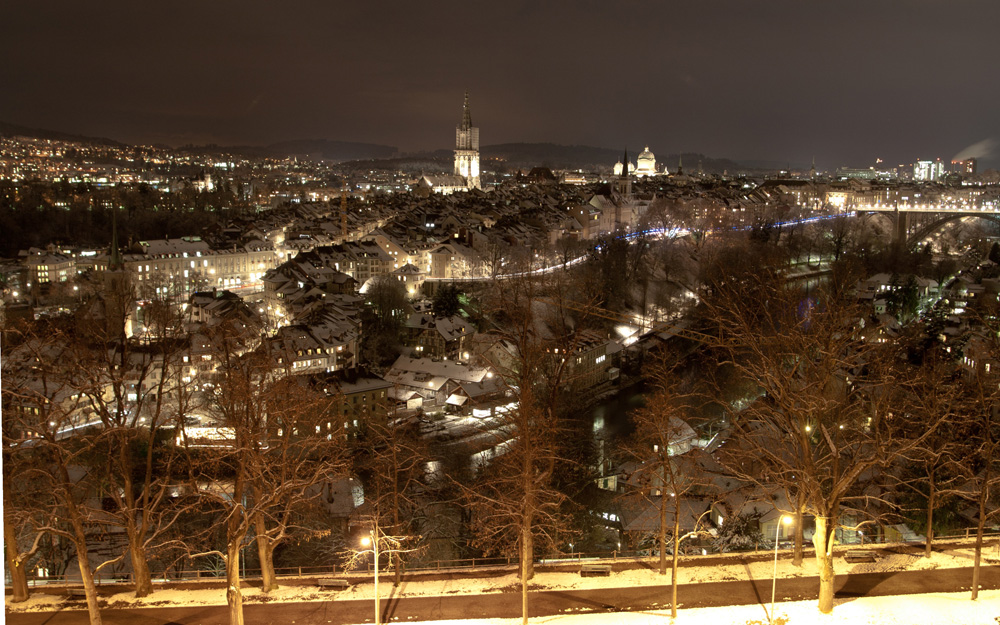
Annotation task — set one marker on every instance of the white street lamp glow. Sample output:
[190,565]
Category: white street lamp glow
[372,541]
[786,520]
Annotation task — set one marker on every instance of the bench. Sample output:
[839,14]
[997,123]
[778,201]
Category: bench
[860,555]
[76,593]
[332,583]
[588,570]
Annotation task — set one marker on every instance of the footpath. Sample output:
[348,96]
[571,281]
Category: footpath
[729,581]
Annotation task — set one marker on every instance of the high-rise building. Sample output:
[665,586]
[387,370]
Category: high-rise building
[928,170]
[967,166]
[467,148]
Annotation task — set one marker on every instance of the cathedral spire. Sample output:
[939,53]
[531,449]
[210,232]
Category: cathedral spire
[467,148]
[466,113]
[115,255]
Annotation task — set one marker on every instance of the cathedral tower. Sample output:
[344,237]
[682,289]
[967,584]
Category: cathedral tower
[467,148]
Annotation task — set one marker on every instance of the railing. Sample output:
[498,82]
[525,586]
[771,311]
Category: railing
[467,564]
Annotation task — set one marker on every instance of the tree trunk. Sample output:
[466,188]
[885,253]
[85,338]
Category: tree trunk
[140,568]
[18,576]
[662,537]
[83,560]
[397,559]
[823,541]
[265,553]
[673,571]
[137,555]
[397,569]
[930,518]
[799,531]
[979,541]
[526,570]
[527,552]
[234,596]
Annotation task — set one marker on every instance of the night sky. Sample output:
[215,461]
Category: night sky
[844,81]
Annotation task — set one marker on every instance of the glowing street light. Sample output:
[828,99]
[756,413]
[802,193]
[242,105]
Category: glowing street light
[372,541]
[786,520]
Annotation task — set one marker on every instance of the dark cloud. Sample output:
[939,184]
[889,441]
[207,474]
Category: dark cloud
[844,81]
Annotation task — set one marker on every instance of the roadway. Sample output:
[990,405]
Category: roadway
[541,603]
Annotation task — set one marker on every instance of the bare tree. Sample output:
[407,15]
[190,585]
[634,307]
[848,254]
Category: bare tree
[20,518]
[135,390]
[383,319]
[279,450]
[933,390]
[821,421]
[665,474]
[515,507]
[303,447]
[45,436]
[390,457]
[981,468]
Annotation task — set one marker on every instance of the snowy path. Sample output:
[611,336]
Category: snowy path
[639,591]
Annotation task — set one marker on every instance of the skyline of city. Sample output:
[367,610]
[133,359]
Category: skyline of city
[780,82]
[717,279]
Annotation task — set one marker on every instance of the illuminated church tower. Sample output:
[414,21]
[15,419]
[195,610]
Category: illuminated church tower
[467,148]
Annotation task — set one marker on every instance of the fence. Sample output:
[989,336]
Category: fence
[466,564]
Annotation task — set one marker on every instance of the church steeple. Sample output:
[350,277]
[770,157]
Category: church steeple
[467,148]
[623,185]
[115,261]
[466,113]
[626,170]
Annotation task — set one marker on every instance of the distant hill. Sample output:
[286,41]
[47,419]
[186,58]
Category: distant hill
[13,130]
[593,158]
[524,156]
[429,163]
[551,155]
[306,148]
[512,155]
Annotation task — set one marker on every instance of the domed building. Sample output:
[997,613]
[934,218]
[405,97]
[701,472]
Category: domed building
[645,164]
[618,168]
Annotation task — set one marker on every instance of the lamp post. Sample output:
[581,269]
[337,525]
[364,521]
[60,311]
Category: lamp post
[372,540]
[787,520]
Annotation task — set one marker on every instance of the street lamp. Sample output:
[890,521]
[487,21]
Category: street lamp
[373,542]
[787,520]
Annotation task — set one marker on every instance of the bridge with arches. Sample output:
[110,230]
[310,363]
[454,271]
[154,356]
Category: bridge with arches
[913,223]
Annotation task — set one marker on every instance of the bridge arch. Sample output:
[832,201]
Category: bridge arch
[927,229]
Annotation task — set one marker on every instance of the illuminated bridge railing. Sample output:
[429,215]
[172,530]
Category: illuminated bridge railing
[988,207]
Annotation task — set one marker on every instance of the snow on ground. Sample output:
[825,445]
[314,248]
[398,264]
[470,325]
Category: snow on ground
[940,609]
[565,580]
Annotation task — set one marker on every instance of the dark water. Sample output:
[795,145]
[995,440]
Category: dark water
[610,416]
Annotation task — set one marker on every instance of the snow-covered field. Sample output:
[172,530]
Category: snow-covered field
[952,608]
